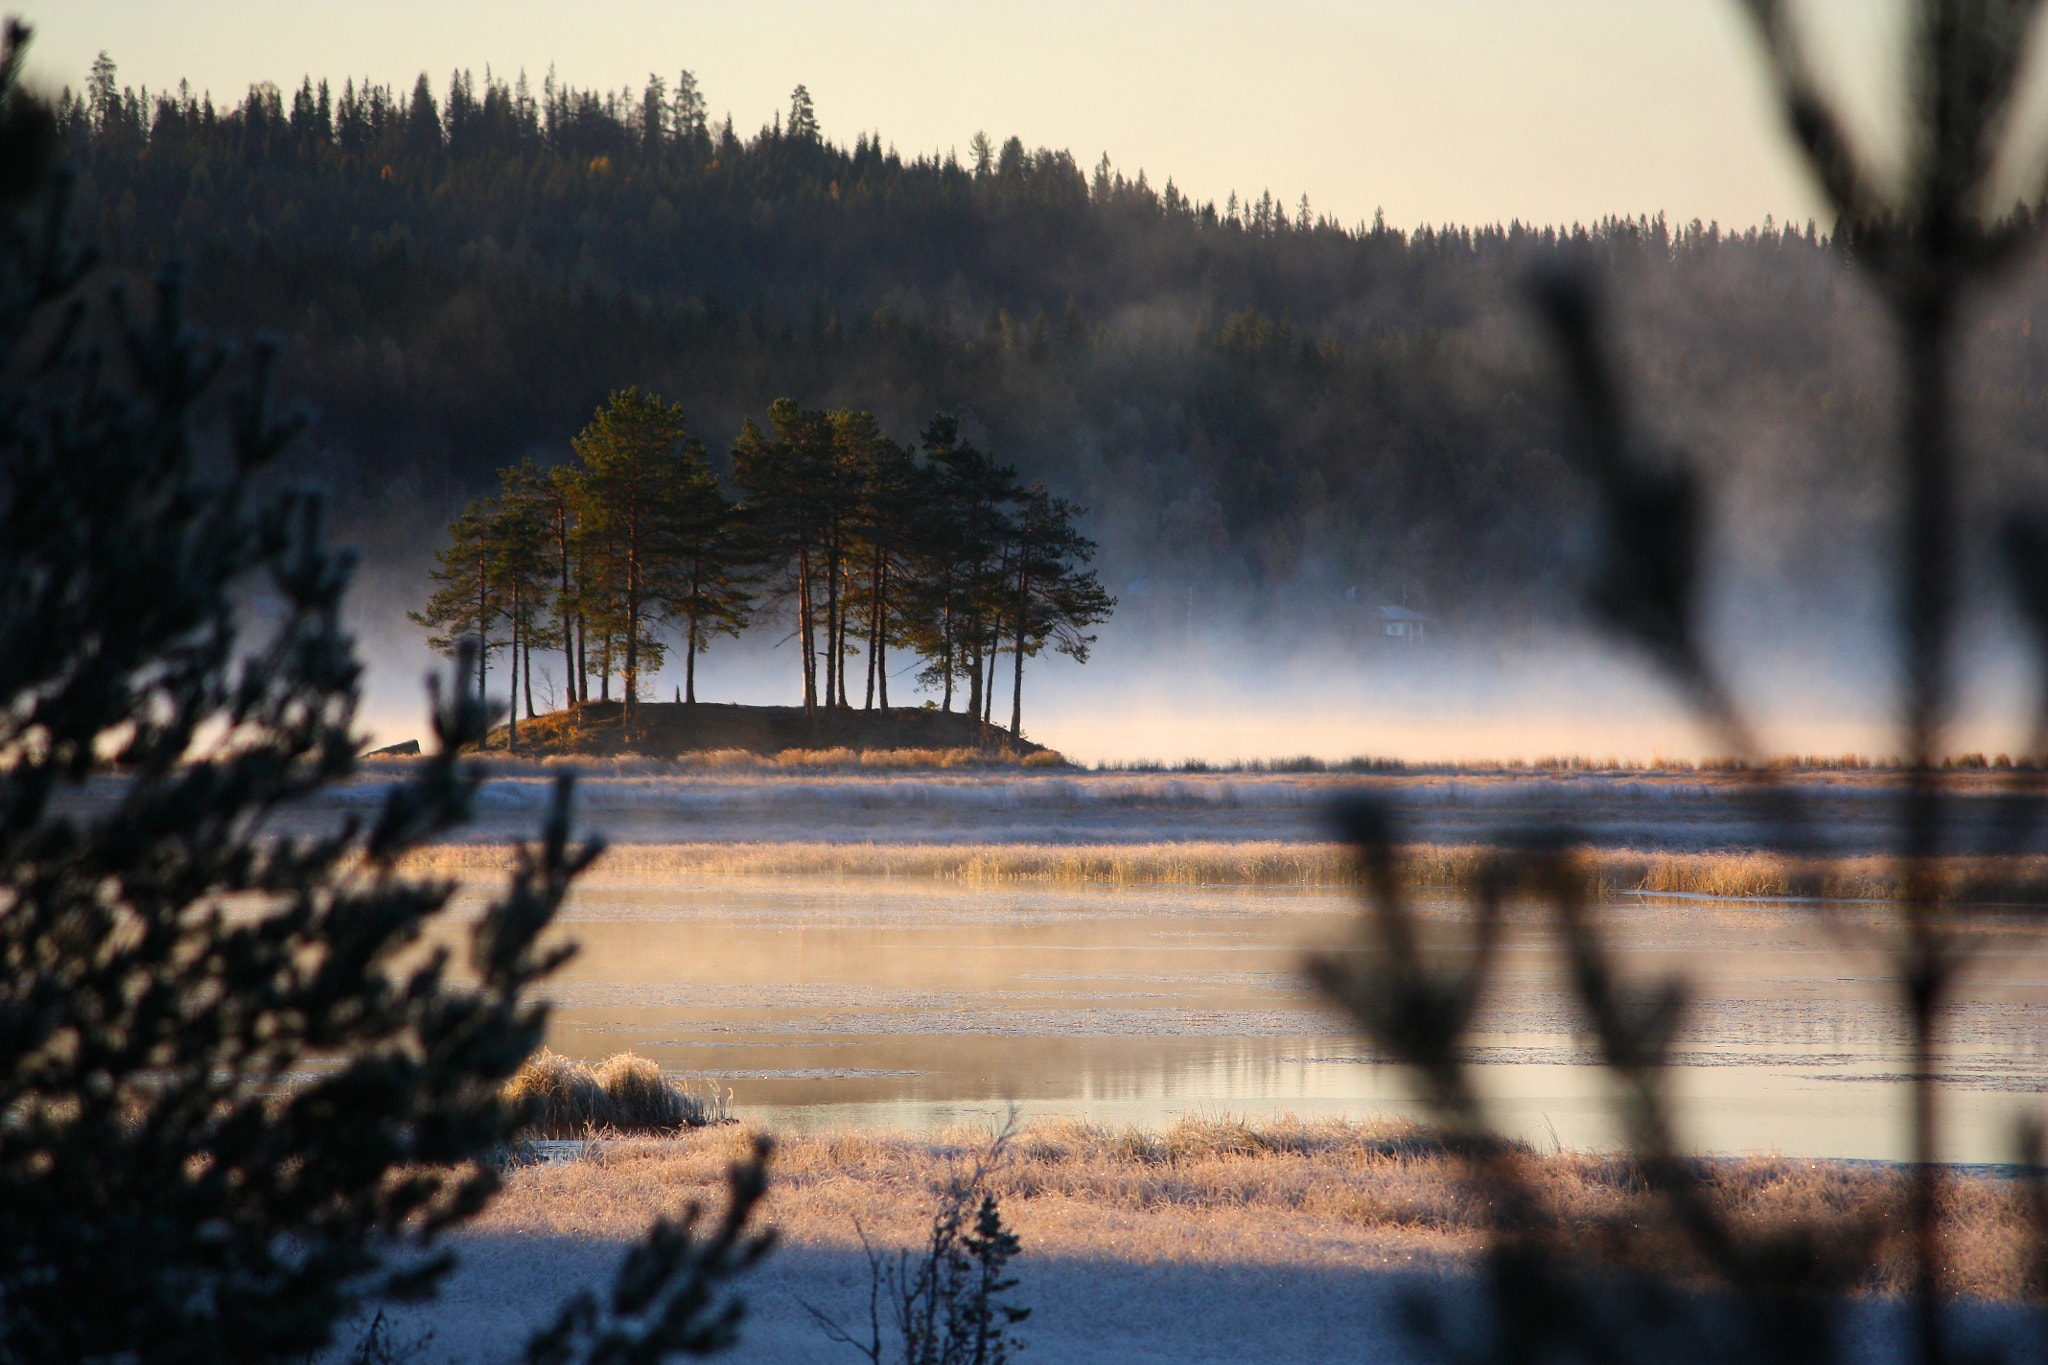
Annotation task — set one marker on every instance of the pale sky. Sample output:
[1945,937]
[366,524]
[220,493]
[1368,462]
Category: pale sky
[1435,110]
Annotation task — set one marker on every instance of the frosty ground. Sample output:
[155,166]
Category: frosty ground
[1212,1241]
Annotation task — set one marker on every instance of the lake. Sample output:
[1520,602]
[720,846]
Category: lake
[903,1003]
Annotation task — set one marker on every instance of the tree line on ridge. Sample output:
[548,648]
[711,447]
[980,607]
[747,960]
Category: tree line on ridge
[1271,407]
[864,545]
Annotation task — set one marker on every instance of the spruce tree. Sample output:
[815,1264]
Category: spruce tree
[173,967]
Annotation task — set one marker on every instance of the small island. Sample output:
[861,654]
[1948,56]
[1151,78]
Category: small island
[669,730]
[858,545]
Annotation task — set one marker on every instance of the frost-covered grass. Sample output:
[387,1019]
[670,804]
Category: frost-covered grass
[1279,1189]
[1681,830]
[2003,880]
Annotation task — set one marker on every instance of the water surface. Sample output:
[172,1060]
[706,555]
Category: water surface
[910,1004]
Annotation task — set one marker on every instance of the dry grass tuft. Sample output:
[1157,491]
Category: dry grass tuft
[622,1094]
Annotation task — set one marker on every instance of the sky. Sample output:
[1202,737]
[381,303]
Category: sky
[1469,111]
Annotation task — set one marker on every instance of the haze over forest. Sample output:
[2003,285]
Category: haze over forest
[1277,421]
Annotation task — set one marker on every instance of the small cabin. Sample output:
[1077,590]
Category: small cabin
[1400,626]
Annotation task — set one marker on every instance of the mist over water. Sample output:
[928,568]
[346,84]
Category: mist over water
[1277,690]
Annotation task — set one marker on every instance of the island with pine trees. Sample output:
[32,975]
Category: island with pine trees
[856,544]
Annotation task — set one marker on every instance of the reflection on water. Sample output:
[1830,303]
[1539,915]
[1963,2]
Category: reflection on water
[900,1004]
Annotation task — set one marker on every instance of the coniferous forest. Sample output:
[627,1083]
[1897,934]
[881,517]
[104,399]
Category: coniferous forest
[1261,407]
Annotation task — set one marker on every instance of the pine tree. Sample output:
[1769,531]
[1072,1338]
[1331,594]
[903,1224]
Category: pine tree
[688,115]
[787,505]
[547,500]
[471,602]
[103,92]
[637,460]
[894,497]
[803,116]
[1056,597]
[712,581]
[960,590]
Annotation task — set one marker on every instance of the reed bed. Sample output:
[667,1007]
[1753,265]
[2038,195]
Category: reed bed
[1423,867]
[2016,880]
[1275,1189]
[1190,864]
[622,1094]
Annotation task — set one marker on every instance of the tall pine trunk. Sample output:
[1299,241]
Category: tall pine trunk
[946,643]
[876,598]
[834,661]
[974,672]
[1017,685]
[526,660]
[988,689]
[690,645]
[483,629]
[567,614]
[512,706]
[805,631]
[634,580]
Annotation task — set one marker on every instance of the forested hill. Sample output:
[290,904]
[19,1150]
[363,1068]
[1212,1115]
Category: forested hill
[1245,395]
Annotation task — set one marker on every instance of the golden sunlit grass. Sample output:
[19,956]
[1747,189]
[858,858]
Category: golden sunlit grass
[1985,880]
[1281,1190]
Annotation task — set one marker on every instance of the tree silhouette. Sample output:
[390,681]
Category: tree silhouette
[1927,236]
[793,496]
[963,582]
[637,505]
[472,597]
[1056,597]
[803,116]
[173,963]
